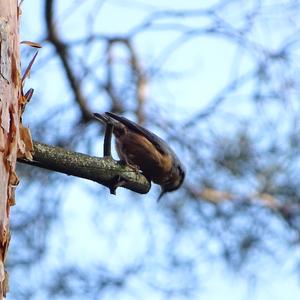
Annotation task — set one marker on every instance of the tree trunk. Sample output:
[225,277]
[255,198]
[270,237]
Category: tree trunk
[10,97]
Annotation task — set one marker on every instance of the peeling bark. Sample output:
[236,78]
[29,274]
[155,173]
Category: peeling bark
[10,96]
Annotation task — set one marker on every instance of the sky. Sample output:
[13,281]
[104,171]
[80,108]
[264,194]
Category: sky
[205,68]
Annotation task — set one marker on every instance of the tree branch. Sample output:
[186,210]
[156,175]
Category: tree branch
[103,170]
[62,52]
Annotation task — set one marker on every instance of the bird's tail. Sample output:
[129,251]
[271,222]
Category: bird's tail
[105,119]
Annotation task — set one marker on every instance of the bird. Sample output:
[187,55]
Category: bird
[141,148]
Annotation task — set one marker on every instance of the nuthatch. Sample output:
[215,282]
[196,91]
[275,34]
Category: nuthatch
[139,147]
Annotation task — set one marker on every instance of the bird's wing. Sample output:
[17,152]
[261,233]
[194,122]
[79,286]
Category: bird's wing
[160,144]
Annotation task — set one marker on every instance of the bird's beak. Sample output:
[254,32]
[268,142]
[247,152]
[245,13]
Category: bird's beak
[161,194]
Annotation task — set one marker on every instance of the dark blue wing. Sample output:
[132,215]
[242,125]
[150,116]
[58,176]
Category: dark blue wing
[160,144]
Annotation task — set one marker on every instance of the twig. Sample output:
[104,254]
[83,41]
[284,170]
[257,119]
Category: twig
[107,140]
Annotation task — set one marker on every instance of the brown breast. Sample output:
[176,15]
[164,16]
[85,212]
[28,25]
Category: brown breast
[137,150]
